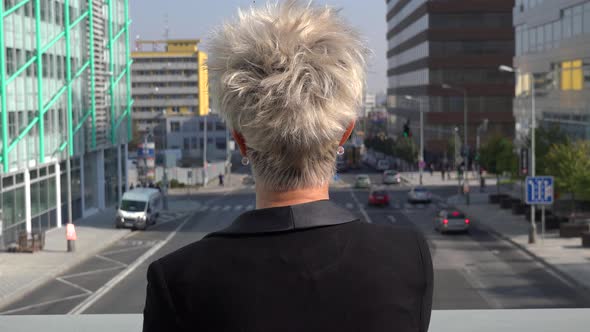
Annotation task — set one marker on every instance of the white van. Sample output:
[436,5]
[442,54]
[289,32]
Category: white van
[139,208]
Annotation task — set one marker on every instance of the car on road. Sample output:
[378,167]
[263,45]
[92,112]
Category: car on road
[139,208]
[391,177]
[379,198]
[419,195]
[362,181]
[248,180]
[451,221]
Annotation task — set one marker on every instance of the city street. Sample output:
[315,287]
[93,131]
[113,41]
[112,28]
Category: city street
[472,271]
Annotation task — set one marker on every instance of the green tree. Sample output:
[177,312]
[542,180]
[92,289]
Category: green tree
[136,136]
[569,163]
[545,137]
[497,156]
[406,149]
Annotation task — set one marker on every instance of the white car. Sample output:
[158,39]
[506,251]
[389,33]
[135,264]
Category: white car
[419,195]
[362,181]
[391,177]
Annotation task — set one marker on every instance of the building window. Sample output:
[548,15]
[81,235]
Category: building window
[174,126]
[572,76]
[186,144]
[194,142]
[175,109]
[10,62]
[577,21]
[566,22]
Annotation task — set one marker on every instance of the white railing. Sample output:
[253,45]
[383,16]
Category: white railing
[520,320]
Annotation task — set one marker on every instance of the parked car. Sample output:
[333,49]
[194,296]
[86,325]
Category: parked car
[362,181]
[419,195]
[248,180]
[379,197]
[391,177]
[139,208]
[451,220]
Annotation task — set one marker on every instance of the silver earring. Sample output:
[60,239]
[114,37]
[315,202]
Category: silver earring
[245,161]
[340,150]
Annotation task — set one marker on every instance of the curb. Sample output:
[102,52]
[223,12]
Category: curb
[40,281]
[564,275]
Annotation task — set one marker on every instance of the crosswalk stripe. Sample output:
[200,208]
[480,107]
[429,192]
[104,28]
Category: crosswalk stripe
[204,208]
[227,208]
[215,208]
[238,207]
[250,207]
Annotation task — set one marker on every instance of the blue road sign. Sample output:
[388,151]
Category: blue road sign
[539,190]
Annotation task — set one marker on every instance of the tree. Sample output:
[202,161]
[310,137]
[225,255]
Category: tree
[545,137]
[569,163]
[406,149]
[497,156]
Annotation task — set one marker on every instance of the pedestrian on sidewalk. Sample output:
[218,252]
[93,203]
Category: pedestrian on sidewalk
[291,134]
[220,179]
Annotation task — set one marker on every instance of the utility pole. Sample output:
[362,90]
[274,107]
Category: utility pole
[421,157]
[533,226]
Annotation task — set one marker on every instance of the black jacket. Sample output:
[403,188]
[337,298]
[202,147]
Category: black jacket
[308,267]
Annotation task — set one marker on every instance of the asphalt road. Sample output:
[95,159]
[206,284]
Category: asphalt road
[472,271]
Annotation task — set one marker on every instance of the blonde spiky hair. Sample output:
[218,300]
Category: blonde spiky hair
[289,77]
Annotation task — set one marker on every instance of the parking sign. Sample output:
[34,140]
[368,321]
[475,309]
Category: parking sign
[539,190]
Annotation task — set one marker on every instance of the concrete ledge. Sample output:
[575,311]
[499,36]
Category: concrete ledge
[569,230]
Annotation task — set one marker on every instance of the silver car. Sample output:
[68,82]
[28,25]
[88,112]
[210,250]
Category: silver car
[391,177]
[451,221]
[419,195]
[362,181]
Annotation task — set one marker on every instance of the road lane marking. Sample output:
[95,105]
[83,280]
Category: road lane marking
[76,286]
[114,261]
[392,219]
[361,208]
[125,250]
[94,297]
[82,274]
[42,304]
[215,208]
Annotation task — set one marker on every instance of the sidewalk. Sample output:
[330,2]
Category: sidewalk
[565,257]
[413,178]
[231,182]
[22,272]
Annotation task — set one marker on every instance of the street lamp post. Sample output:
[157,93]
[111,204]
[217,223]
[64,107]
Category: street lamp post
[508,69]
[465,130]
[482,127]
[421,157]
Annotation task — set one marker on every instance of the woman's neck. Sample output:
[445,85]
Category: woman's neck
[269,199]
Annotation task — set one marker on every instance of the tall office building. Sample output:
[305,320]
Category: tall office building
[553,43]
[171,92]
[65,88]
[459,43]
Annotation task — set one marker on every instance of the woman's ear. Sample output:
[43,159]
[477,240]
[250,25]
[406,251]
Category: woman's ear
[347,133]
[240,141]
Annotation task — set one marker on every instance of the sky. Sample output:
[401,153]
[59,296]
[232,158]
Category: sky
[194,19]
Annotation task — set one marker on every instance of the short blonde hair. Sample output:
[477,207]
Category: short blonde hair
[289,77]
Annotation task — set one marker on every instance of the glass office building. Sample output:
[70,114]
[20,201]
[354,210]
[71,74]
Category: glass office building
[65,88]
[552,43]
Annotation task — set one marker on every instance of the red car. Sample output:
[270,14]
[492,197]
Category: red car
[379,197]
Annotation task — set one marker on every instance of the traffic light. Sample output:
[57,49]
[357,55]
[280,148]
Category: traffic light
[407,132]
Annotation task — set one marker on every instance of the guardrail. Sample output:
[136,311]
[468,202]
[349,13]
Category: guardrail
[519,320]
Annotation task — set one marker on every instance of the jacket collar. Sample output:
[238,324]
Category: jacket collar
[289,218]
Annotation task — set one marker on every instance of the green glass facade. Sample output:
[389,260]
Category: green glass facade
[65,70]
